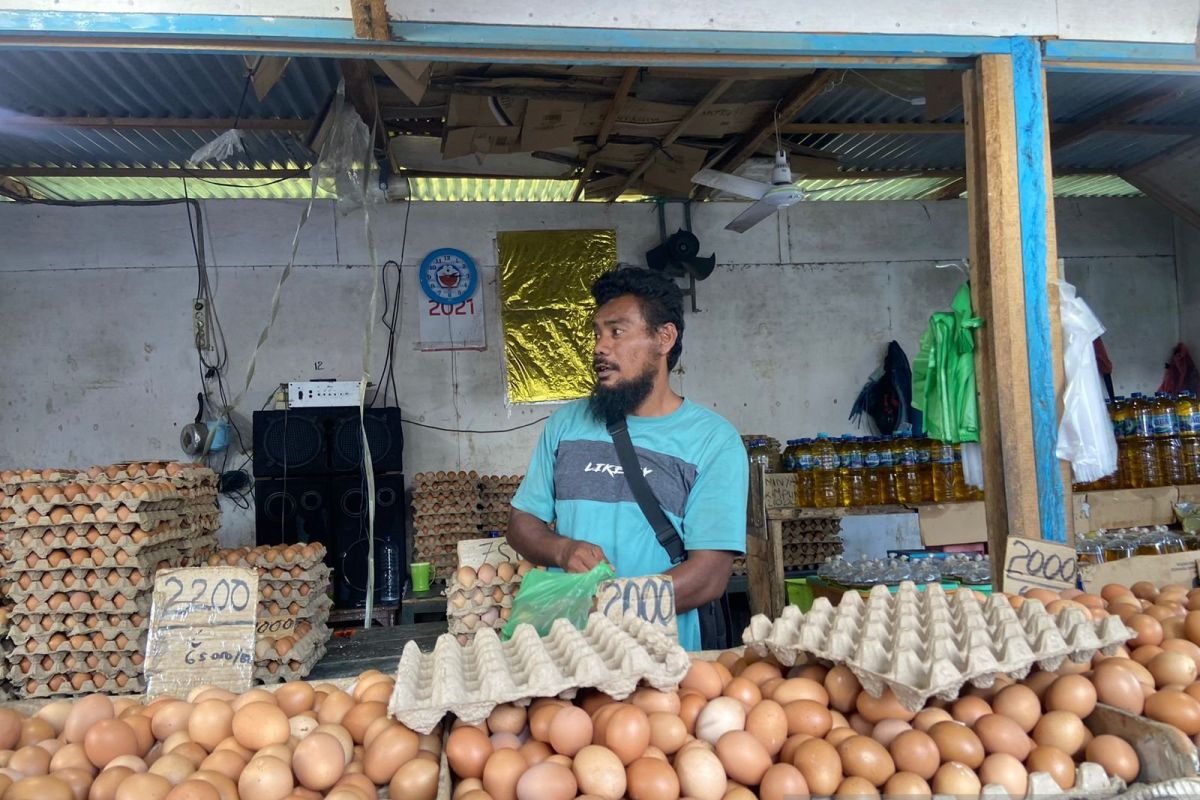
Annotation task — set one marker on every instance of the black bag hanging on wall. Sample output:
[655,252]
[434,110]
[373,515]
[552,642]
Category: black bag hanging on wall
[716,622]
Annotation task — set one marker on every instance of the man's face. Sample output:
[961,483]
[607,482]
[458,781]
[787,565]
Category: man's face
[626,348]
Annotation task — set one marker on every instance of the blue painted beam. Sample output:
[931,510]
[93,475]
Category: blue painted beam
[1145,52]
[1033,193]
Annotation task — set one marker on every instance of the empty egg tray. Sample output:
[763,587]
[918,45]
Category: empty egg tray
[925,644]
[470,680]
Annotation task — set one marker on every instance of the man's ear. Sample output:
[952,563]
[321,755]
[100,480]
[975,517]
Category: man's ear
[668,334]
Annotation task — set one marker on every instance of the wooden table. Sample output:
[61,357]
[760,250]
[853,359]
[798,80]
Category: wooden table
[430,602]
[353,650]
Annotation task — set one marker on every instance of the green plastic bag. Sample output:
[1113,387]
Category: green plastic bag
[943,373]
[547,596]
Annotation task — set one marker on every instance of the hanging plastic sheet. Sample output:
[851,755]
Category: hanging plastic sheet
[944,373]
[546,309]
[1085,434]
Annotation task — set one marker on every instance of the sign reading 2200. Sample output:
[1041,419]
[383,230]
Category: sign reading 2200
[449,276]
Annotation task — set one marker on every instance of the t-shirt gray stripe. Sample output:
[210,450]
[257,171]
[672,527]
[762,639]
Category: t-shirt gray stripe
[587,469]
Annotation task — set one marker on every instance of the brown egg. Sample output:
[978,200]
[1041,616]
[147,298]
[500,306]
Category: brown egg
[647,779]
[1118,687]
[108,739]
[71,756]
[926,718]
[1175,708]
[821,766]
[854,788]
[842,689]
[390,749]
[1000,734]
[257,725]
[175,768]
[1169,668]
[889,729]
[416,780]
[265,778]
[570,730]
[1143,654]
[10,728]
[78,780]
[599,772]
[42,787]
[318,761]
[650,700]
[359,718]
[1054,762]
[507,718]
[133,763]
[1115,755]
[628,732]
[703,677]
[501,773]
[170,717]
[970,708]
[29,761]
[224,762]
[1071,693]
[866,758]
[1061,729]
[210,722]
[906,784]
[294,697]
[915,752]
[955,778]
[886,706]
[1147,630]
[536,752]
[104,787]
[768,723]
[839,735]
[956,742]
[743,756]
[1007,771]
[782,782]
[86,712]
[334,707]
[1020,704]
[668,733]
[467,750]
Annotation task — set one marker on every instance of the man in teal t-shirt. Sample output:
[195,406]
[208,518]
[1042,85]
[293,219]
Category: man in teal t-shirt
[692,458]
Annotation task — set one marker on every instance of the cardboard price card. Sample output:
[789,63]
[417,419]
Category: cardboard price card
[202,623]
[651,597]
[494,550]
[1160,570]
[1038,564]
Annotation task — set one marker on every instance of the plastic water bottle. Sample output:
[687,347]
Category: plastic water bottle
[388,571]
[1188,412]
[1167,441]
[1143,455]
[908,479]
[825,472]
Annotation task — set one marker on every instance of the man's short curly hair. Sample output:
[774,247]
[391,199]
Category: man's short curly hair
[660,298]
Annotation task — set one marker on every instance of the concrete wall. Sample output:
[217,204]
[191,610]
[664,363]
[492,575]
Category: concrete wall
[99,366]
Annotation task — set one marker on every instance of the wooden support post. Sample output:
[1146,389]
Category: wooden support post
[1010,218]
[764,551]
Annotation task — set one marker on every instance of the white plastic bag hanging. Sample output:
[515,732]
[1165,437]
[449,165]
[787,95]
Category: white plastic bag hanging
[1085,434]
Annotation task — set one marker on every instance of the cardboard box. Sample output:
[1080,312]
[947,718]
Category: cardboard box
[549,124]
[481,141]
[952,523]
[780,490]
[1160,570]
[652,119]
[1125,508]
[673,168]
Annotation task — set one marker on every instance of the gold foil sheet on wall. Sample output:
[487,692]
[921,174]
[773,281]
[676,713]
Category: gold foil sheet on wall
[546,309]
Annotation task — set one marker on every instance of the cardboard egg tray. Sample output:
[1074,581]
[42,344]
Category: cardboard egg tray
[107,536]
[95,557]
[43,498]
[91,642]
[48,665]
[72,625]
[100,589]
[13,480]
[56,522]
[302,647]
[82,683]
[462,521]
[178,472]
[270,610]
[926,643]
[257,558]
[98,604]
[272,671]
[469,681]
[287,591]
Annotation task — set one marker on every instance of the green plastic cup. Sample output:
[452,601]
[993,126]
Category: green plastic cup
[420,576]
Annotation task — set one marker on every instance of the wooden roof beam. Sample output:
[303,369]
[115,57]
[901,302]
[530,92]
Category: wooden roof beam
[804,92]
[606,127]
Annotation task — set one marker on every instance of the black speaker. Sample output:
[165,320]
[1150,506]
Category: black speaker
[325,441]
[349,546]
[290,510]
[384,437]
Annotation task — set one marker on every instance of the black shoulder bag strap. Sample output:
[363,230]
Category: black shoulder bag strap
[715,620]
[668,537]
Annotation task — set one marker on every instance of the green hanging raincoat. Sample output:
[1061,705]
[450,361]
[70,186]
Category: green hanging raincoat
[944,373]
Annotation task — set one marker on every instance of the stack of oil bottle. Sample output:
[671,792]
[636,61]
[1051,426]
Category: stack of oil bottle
[1158,442]
[876,470]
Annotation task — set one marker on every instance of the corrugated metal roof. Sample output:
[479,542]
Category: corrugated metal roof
[1112,150]
[99,189]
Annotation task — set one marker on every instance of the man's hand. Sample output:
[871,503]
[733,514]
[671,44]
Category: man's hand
[578,556]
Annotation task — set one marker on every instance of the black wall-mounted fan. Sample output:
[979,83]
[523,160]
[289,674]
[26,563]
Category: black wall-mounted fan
[679,256]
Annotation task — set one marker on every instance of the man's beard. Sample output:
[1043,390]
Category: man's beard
[613,402]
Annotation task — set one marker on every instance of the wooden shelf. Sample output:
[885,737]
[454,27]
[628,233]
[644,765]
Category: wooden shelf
[792,513]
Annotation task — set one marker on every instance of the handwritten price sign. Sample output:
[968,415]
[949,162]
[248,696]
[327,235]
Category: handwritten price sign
[651,598]
[495,550]
[201,630]
[1038,564]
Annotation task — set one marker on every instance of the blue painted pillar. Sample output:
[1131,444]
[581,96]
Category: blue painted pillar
[1037,245]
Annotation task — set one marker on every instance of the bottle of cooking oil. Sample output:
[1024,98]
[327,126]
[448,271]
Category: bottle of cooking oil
[871,463]
[852,473]
[825,472]
[925,468]
[942,454]
[1188,412]
[887,471]
[1143,455]
[961,490]
[908,480]
[802,460]
[1122,422]
[789,455]
[1167,442]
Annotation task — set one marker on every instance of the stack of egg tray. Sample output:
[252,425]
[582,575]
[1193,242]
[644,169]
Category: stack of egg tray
[470,680]
[199,514]
[293,608]
[495,501]
[81,574]
[923,644]
[487,601]
[806,543]
[445,512]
